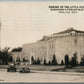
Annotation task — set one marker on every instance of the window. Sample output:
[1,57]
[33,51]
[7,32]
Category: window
[75,41]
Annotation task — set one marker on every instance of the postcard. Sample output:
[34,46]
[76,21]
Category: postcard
[41,41]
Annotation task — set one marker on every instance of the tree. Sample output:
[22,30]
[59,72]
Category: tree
[66,60]
[35,62]
[54,61]
[10,59]
[49,63]
[24,59]
[38,61]
[82,61]
[4,55]
[62,63]
[74,61]
[19,49]
[32,58]
[44,61]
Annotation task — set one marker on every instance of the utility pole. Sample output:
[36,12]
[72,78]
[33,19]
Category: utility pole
[0,34]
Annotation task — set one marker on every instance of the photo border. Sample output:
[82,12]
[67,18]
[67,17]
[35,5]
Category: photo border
[43,82]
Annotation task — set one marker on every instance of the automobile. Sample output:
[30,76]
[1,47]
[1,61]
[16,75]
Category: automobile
[11,68]
[24,68]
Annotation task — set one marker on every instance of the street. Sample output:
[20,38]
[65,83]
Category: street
[40,76]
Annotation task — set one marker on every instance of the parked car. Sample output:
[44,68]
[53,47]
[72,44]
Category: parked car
[11,68]
[24,68]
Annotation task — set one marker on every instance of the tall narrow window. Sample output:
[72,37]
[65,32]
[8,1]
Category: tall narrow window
[75,41]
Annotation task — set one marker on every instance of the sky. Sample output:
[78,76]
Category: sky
[28,21]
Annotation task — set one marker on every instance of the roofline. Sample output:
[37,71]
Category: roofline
[68,31]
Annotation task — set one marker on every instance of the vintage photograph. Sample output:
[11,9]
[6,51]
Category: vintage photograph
[41,41]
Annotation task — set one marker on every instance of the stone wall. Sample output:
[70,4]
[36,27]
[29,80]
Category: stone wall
[15,55]
[37,50]
[60,46]
[67,45]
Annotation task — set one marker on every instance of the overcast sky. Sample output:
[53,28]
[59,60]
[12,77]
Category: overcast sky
[25,22]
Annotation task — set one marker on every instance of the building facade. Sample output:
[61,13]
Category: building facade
[67,42]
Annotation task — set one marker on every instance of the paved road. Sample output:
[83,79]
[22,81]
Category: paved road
[40,76]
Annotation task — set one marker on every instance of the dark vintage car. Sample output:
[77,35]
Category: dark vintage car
[11,68]
[24,68]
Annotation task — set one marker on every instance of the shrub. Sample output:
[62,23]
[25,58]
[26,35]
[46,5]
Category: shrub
[54,61]
[82,61]
[49,63]
[32,58]
[38,61]
[34,62]
[44,61]
[10,59]
[24,60]
[66,60]
[62,63]
[74,61]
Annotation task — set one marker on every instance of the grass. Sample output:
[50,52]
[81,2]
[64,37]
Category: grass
[45,68]
[57,68]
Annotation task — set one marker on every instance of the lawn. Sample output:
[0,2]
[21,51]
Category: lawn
[57,68]
[45,67]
